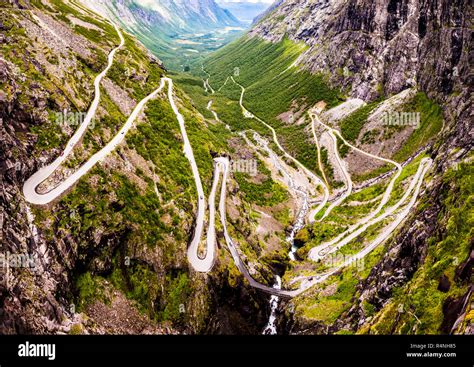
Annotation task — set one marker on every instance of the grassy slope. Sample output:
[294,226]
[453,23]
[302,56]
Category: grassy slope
[49,136]
[270,92]
[431,121]
[326,309]
[272,87]
[419,297]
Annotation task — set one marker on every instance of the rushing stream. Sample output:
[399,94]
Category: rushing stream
[299,223]
[270,328]
[300,219]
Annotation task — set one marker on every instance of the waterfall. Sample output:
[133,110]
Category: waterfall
[270,328]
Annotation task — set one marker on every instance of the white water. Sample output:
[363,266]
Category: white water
[270,328]
[299,224]
[299,191]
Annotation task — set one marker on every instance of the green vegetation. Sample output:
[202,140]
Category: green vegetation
[114,213]
[133,220]
[329,305]
[343,148]
[90,289]
[431,123]
[421,297]
[227,109]
[157,141]
[178,292]
[283,216]
[91,34]
[265,70]
[76,329]
[128,71]
[337,293]
[60,9]
[139,283]
[328,308]
[264,193]
[353,124]
[273,86]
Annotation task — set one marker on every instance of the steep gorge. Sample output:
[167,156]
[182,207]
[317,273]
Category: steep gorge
[115,244]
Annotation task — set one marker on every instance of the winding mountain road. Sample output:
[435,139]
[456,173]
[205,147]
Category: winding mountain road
[30,186]
[319,252]
[207,86]
[318,148]
[222,166]
[361,226]
[310,174]
[316,250]
[347,177]
[221,169]
[225,164]
[200,264]
[214,113]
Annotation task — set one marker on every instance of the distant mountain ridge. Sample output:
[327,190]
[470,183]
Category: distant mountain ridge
[372,50]
[171,29]
[245,11]
[170,15]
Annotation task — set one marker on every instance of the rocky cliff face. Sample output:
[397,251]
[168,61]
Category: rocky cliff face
[95,272]
[33,293]
[380,46]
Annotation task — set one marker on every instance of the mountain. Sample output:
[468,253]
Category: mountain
[173,29]
[173,15]
[372,59]
[269,10]
[313,176]
[244,11]
[108,256]
[388,26]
